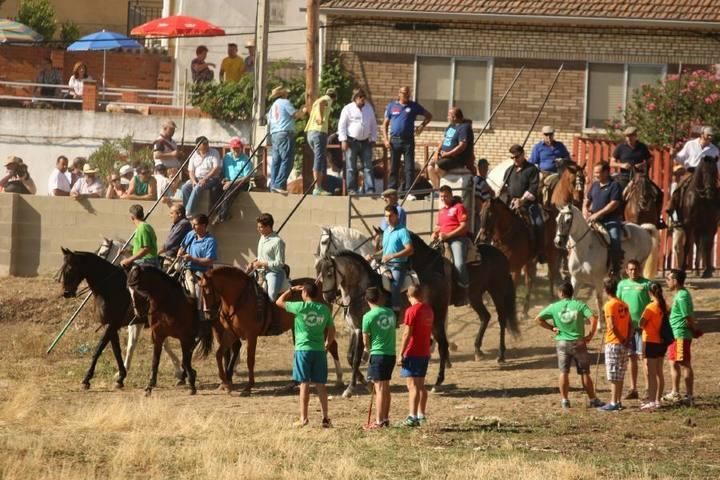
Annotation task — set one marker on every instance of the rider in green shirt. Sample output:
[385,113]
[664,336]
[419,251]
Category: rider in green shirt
[635,292]
[144,244]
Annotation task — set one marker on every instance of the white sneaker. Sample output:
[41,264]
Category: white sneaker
[672,397]
[410,197]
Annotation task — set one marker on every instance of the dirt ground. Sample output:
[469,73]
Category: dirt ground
[490,421]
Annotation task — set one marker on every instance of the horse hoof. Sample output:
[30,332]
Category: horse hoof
[348,393]
[245,392]
[193,391]
[148,391]
[436,389]
[453,347]
[339,385]
[479,356]
[119,385]
[86,385]
[501,360]
[180,382]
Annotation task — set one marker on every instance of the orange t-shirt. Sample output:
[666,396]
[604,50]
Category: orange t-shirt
[617,314]
[653,317]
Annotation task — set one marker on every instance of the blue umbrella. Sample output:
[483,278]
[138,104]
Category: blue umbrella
[103,41]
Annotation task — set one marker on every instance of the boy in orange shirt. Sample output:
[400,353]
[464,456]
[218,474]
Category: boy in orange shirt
[617,336]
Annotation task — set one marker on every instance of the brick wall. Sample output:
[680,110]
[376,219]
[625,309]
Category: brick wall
[381,59]
[123,69]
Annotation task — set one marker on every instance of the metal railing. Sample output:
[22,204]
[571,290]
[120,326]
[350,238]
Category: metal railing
[139,12]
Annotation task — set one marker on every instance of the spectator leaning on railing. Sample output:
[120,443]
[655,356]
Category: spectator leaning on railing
[16,178]
[143,186]
[48,76]
[115,189]
[89,186]
[59,181]
[76,171]
[77,80]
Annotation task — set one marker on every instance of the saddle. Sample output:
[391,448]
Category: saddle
[547,185]
[446,251]
[603,234]
[410,279]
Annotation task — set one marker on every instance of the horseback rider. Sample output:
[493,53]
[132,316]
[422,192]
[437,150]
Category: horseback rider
[690,157]
[603,205]
[631,155]
[198,251]
[452,228]
[397,249]
[391,198]
[144,245]
[545,153]
[270,256]
[521,185]
[179,229]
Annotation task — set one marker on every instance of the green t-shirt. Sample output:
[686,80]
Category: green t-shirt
[636,293]
[379,323]
[311,320]
[568,316]
[145,237]
[682,307]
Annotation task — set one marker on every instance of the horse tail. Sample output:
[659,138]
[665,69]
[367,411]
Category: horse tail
[510,305]
[205,338]
[650,267]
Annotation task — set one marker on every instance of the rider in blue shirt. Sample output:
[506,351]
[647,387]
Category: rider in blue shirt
[397,249]
[603,205]
[198,250]
[545,153]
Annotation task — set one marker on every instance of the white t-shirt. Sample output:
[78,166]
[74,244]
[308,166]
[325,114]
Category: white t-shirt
[204,165]
[58,181]
[76,84]
[162,182]
[692,153]
[84,188]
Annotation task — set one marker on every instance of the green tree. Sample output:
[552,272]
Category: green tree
[669,110]
[69,32]
[112,154]
[38,15]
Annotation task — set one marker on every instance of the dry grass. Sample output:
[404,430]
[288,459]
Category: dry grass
[491,423]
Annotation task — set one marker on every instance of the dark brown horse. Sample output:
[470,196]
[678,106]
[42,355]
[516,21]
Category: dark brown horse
[643,200]
[512,236]
[245,312]
[171,314]
[107,282]
[699,214]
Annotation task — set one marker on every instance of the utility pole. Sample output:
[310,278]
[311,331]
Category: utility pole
[311,52]
[261,61]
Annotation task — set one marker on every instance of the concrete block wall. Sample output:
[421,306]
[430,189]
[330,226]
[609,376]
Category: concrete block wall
[34,228]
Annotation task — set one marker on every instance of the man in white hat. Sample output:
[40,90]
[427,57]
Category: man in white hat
[250,59]
[281,126]
[126,175]
[690,156]
[545,153]
[87,186]
[164,148]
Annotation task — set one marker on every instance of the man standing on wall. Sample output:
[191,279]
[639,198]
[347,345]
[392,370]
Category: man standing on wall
[357,131]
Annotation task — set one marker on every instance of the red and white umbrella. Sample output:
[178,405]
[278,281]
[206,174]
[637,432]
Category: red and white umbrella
[177,26]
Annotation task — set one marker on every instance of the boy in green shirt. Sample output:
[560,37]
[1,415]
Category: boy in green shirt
[568,323]
[312,322]
[378,327]
[684,328]
[635,292]
[144,243]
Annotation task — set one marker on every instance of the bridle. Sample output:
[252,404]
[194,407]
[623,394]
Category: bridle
[565,237]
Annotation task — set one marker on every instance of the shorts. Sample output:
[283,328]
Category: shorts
[654,350]
[615,362]
[573,350]
[414,367]
[679,351]
[310,367]
[636,343]
[380,367]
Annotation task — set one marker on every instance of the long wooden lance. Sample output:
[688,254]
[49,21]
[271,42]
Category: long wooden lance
[483,130]
[161,196]
[542,107]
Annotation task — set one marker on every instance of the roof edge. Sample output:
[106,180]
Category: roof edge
[533,19]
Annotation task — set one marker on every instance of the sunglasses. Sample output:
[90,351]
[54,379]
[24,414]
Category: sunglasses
[114,180]
[516,157]
[548,134]
[145,172]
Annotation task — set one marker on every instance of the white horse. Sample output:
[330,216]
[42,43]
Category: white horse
[588,253]
[496,176]
[334,239]
[110,250]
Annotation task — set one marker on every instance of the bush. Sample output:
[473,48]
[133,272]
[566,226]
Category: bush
[38,15]
[673,105]
[112,154]
[69,32]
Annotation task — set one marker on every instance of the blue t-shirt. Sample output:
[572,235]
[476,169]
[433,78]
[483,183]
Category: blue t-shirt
[280,116]
[544,155]
[236,167]
[600,196]
[205,247]
[402,219]
[454,134]
[394,241]
[402,118]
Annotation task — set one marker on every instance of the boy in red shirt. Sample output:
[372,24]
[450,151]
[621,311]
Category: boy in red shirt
[415,354]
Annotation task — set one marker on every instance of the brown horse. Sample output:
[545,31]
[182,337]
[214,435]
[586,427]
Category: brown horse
[512,236]
[570,189]
[643,200]
[171,314]
[699,214]
[245,312]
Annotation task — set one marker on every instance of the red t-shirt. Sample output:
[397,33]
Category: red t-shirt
[420,317]
[450,218]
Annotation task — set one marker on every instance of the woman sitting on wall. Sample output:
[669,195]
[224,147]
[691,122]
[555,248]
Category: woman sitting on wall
[78,78]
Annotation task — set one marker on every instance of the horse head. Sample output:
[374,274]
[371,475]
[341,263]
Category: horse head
[377,239]
[71,273]
[327,275]
[486,223]
[705,179]
[564,225]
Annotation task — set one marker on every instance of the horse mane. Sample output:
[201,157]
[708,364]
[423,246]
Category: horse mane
[99,262]
[704,180]
[172,285]
[356,257]
[339,230]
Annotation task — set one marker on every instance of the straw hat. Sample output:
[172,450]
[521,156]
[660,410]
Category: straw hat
[87,168]
[250,43]
[13,160]
[630,131]
[278,91]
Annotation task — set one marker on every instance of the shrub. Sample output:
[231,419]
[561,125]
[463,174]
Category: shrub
[69,32]
[38,15]
[112,154]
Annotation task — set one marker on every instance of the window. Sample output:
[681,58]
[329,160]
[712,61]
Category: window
[277,12]
[610,86]
[444,82]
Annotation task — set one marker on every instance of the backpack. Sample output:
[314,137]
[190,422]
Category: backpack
[666,332]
